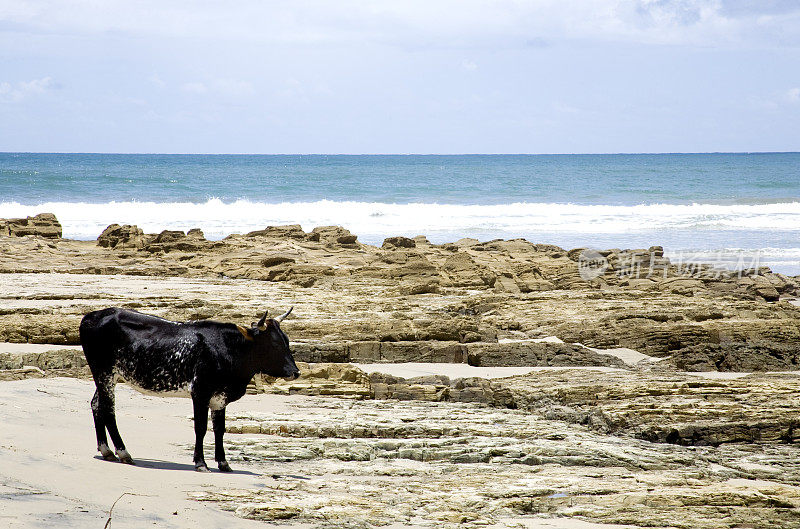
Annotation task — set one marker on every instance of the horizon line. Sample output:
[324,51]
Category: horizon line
[396,153]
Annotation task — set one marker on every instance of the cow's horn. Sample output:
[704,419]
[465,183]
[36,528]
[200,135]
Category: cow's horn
[282,316]
[262,320]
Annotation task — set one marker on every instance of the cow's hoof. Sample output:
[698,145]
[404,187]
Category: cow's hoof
[125,457]
[106,452]
[223,466]
[201,468]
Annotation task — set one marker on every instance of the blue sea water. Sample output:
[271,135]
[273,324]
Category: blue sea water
[715,207]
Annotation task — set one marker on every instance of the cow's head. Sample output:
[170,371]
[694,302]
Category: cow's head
[272,348]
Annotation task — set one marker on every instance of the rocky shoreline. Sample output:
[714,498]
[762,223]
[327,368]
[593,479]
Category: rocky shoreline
[436,297]
[688,370]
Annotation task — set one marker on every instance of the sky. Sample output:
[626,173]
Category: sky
[299,76]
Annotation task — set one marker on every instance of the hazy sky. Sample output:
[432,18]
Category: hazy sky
[408,76]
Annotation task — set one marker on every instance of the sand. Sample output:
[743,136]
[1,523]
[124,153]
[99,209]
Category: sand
[23,348]
[52,476]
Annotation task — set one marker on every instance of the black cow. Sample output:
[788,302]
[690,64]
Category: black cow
[214,361]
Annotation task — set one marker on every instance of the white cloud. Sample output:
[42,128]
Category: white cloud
[562,108]
[233,87]
[194,88]
[469,66]
[458,23]
[156,80]
[776,100]
[226,87]
[18,91]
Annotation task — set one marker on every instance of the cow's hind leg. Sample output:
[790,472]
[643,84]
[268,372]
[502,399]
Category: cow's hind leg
[105,401]
[200,427]
[218,420]
[100,430]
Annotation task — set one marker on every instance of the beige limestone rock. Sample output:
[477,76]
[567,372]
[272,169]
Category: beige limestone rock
[466,292]
[44,225]
[292,231]
[453,464]
[398,242]
[127,236]
[335,235]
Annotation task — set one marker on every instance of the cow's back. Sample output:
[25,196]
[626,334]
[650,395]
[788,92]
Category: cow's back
[150,352]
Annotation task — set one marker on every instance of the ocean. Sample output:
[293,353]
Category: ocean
[737,209]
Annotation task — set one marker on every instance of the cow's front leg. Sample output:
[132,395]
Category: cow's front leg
[218,420]
[200,427]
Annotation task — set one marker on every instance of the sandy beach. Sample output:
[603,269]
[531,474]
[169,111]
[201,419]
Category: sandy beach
[52,476]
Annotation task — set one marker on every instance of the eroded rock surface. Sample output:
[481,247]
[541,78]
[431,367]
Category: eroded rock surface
[43,225]
[371,463]
[423,296]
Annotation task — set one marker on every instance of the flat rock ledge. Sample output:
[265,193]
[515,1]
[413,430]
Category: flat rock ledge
[445,464]
[657,406]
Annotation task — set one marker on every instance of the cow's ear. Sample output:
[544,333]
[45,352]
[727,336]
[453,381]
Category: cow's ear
[247,333]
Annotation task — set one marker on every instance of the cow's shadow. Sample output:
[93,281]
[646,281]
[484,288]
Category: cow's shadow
[159,464]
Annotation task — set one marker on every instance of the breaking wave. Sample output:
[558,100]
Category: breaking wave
[372,221]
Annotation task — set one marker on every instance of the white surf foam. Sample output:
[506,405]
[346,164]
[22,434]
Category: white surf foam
[738,258]
[374,220]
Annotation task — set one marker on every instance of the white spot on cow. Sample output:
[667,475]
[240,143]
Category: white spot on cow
[218,401]
[105,451]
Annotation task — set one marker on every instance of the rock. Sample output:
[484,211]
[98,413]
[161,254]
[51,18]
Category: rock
[266,511]
[418,351]
[335,235]
[737,356]
[769,293]
[575,253]
[468,292]
[196,233]
[175,240]
[466,242]
[169,236]
[291,231]
[681,285]
[290,271]
[414,266]
[413,288]
[461,270]
[56,362]
[495,464]
[398,242]
[321,352]
[126,236]
[341,380]
[524,354]
[44,225]
[639,284]
[273,260]
[667,408]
